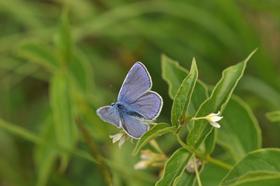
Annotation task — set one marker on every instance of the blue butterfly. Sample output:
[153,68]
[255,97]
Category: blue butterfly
[136,105]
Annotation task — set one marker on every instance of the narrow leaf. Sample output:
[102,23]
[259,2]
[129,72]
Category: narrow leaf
[36,53]
[63,40]
[64,126]
[183,96]
[174,166]
[45,154]
[157,130]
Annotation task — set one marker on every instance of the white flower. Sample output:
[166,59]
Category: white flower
[119,137]
[212,118]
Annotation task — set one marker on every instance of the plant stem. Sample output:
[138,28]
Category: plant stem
[156,146]
[196,172]
[218,163]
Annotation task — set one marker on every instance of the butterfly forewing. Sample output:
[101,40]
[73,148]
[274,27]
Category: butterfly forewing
[148,105]
[136,83]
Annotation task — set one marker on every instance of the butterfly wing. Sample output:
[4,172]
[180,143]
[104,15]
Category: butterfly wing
[134,126]
[148,105]
[110,115]
[136,83]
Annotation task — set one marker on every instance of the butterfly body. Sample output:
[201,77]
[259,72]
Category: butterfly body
[136,105]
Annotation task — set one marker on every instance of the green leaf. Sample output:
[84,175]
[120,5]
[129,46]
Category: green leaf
[273,116]
[19,131]
[45,154]
[263,162]
[240,132]
[82,73]
[212,175]
[173,74]
[184,179]
[38,54]
[155,131]
[63,115]
[210,142]
[63,40]
[174,167]
[260,181]
[216,102]
[183,96]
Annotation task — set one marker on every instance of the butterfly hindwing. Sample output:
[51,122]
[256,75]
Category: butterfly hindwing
[134,126]
[109,114]
[136,83]
[148,105]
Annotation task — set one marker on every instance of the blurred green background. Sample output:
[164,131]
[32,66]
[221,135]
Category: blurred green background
[77,53]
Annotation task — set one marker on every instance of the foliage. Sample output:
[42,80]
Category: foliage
[61,60]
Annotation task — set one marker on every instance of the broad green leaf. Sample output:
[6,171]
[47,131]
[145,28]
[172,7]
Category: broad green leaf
[217,101]
[38,54]
[174,167]
[173,74]
[273,116]
[260,162]
[63,115]
[184,179]
[240,132]
[183,96]
[210,142]
[212,175]
[155,131]
[260,181]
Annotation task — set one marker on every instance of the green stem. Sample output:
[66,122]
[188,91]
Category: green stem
[156,146]
[218,163]
[196,172]
[208,158]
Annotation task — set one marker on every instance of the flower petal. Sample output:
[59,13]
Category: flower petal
[141,165]
[116,137]
[216,118]
[215,124]
[121,141]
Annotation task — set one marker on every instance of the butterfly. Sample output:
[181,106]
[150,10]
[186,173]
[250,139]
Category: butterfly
[136,105]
